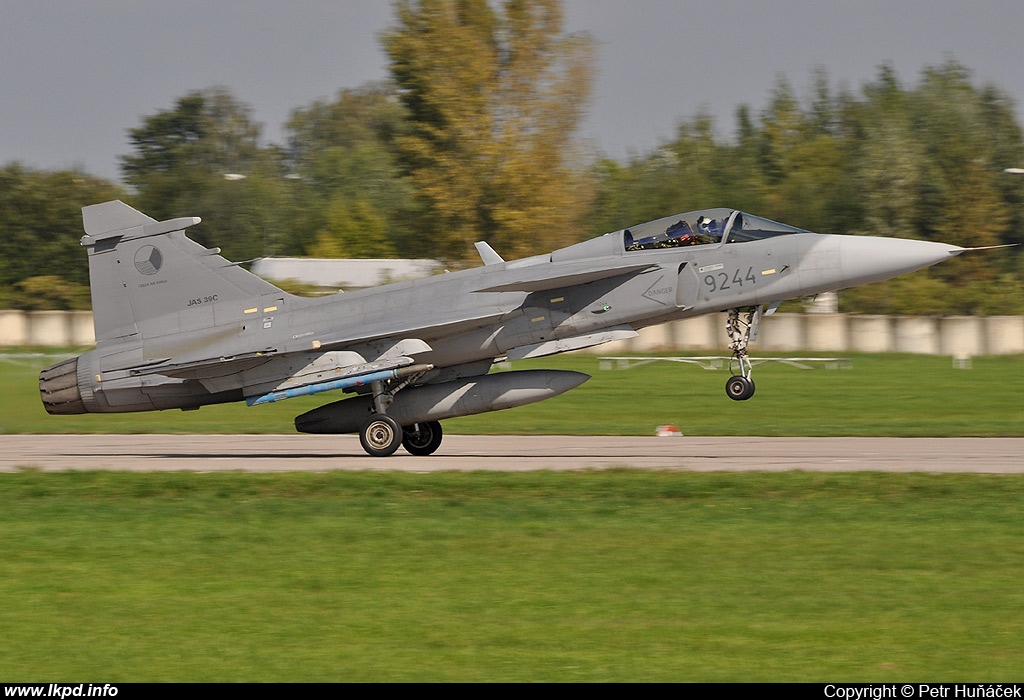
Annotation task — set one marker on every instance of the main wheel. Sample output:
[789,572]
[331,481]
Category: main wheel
[422,439]
[380,436]
[739,388]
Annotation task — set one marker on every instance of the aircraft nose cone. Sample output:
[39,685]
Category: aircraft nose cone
[866,259]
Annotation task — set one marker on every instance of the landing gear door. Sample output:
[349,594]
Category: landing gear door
[687,286]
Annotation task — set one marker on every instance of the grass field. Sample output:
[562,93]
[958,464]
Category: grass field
[880,395]
[599,576]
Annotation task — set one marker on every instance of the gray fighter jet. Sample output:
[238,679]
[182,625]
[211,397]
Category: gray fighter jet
[179,326]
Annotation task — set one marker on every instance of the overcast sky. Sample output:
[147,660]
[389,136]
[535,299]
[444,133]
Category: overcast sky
[75,75]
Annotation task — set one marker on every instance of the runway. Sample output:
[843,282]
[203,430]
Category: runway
[280,453]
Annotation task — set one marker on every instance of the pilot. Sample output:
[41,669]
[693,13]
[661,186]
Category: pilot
[708,227]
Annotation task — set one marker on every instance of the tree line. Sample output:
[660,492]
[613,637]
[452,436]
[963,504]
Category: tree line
[473,137]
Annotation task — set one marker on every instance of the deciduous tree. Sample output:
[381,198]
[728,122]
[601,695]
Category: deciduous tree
[40,227]
[203,158]
[342,159]
[493,99]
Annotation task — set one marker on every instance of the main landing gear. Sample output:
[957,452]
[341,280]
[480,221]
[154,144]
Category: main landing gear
[740,387]
[381,435]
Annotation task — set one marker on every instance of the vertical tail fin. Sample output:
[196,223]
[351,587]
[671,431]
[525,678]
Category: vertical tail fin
[144,273]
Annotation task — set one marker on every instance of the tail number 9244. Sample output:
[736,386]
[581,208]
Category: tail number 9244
[727,279]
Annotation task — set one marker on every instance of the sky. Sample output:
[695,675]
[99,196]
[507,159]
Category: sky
[76,75]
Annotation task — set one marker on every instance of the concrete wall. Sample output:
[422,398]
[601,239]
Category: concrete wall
[1003,334]
[56,328]
[959,336]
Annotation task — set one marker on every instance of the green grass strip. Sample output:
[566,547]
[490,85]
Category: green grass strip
[589,576]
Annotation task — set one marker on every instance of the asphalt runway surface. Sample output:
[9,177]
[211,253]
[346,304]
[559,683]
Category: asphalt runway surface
[280,453]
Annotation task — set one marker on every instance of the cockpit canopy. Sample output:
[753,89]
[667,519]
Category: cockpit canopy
[704,227]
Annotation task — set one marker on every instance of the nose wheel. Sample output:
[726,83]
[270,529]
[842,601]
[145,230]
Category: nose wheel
[739,388]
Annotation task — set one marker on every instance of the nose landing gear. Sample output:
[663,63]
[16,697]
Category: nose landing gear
[740,387]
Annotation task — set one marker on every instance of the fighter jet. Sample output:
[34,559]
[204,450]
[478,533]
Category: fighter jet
[179,326]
